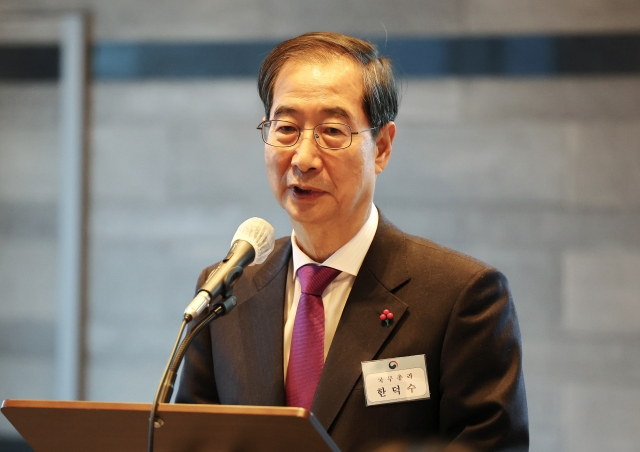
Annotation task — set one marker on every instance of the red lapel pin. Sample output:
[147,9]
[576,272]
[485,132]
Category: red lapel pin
[386,317]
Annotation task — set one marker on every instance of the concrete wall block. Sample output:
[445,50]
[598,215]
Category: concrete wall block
[544,402]
[130,163]
[29,105]
[163,19]
[565,359]
[248,19]
[604,227]
[192,102]
[405,17]
[536,227]
[605,165]
[127,279]
[20,220]
[549,15]
[164,286]
[27,337]
[24,29]
[189,256]
[217,163]
[186,222]
[133,340]
[464,225]
[192,253]
[178,243]
[528,226]
[28,164]
[442,225]
[535,283]
[566,98]
[601,417]
[125,380]
[227,19]
[28,278]
[430,102]
[474,162]
[200,19]
[24,377]
[600,290]
[175,222]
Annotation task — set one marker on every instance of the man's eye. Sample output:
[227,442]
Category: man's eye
[333,131]
[286,129]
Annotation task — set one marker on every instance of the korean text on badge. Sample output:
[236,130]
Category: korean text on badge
[395,380]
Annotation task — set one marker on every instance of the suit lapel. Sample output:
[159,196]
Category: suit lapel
[360,333]
[262,318]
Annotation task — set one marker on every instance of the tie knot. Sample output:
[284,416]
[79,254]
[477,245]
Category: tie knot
[314,279]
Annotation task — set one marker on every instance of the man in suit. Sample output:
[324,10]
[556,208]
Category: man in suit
[310,315]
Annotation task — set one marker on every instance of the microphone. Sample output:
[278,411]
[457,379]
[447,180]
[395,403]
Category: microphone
[251,244]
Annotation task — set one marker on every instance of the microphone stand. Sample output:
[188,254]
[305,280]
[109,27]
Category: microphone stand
[165,388]
[153,423]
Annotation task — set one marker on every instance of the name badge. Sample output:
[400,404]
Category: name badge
[395,380]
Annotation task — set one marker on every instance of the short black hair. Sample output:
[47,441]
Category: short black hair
[380,97]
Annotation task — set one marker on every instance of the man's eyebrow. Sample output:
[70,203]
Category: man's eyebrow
[337,111]
[333,111]
[283,109]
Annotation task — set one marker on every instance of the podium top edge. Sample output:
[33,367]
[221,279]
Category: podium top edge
[162,408]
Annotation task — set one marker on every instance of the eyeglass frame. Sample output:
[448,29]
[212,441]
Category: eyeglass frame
[261,128]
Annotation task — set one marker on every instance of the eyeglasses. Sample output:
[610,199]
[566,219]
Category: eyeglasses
[328,135]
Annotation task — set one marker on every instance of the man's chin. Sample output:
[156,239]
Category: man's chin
[307,214]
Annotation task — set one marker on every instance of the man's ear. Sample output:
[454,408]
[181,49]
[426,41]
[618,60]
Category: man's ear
[384,142]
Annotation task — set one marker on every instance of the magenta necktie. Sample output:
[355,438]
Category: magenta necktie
[306,358]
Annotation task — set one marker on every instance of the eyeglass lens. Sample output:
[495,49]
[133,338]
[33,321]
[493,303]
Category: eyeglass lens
[327,135]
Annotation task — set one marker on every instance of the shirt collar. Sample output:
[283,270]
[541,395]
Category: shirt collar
[349,257]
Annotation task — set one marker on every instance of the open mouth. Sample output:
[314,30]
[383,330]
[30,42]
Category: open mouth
[299,191]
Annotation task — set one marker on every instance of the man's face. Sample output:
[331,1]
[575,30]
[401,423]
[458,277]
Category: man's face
[316,186]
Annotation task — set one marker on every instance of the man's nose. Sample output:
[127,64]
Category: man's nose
[307,152]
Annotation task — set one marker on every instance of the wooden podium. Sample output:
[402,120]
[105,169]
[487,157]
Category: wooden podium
[58,426]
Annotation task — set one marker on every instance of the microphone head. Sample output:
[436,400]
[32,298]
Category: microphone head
[260,235]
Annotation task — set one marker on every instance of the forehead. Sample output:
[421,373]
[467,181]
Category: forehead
[313,86]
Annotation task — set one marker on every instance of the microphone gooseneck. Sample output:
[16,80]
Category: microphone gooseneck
[251,244]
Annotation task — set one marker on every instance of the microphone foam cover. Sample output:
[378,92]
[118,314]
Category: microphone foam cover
[260,235]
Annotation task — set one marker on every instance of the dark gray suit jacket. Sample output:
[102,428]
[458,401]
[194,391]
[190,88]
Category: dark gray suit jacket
[453,309]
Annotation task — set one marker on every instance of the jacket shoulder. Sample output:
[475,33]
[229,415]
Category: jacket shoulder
[422,257]
[419,249]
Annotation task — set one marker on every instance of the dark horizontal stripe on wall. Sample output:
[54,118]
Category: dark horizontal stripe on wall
[516,56]
[414,57]
[186,60]
[607,54]
[32,62]
[501,56]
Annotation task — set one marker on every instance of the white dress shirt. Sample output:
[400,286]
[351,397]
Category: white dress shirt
[348,260]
